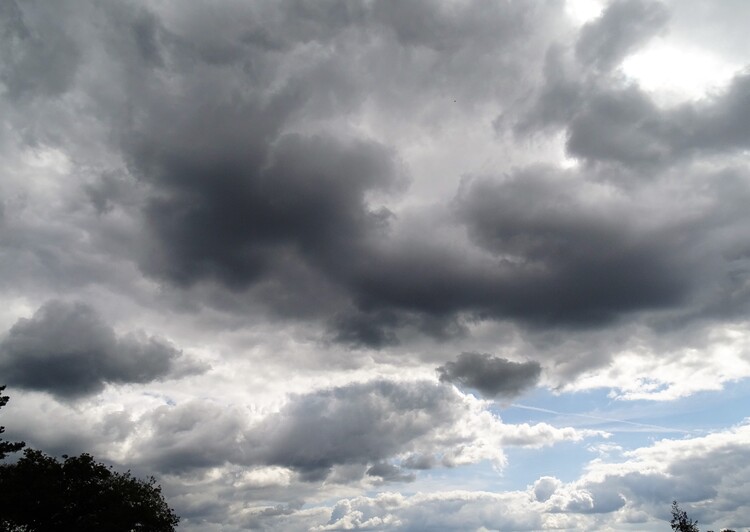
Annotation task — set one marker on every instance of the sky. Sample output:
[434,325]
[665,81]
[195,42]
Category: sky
[383,265]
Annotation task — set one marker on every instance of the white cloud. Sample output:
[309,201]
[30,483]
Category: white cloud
[675,72]
[718,354]
[708,475]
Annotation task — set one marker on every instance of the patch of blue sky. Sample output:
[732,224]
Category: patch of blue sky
[564,461]
[632,424]
[693,415]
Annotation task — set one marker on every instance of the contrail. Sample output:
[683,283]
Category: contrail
[600,418]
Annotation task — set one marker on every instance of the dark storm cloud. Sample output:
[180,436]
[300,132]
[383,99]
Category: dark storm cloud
[254,178]
[67,350]
[569,259]
[569,249]
[247,174]
[235,198]
[555,257]
[231,186]
[374,323]
[625,126]
[229,220]
[492,376]
[366,329]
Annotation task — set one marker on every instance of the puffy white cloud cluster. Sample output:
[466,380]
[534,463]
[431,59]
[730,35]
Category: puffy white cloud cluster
[707,474]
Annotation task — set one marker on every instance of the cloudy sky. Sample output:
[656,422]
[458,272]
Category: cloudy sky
[384,265]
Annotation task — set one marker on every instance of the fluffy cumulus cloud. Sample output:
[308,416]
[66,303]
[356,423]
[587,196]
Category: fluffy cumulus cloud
[359,214]
[633,491]
[447,511]
[694,470]
[361,436]
[381,429]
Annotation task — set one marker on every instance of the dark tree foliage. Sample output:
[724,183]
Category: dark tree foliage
[40,493]
[680,521]
[7,447]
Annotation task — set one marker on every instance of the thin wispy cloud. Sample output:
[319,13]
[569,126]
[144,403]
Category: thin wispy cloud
[648,427]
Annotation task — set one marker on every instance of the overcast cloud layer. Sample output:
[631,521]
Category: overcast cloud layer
[283,253]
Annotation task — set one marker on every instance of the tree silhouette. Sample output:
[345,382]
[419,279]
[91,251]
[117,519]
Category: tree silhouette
[680,521]
[39,493]
[7,447]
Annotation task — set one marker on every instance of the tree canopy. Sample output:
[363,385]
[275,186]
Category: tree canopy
[7,447]
[682,523]
[39,493]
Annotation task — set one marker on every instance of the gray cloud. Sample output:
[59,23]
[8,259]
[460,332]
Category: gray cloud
[264,192]
[390,473]
[694,470]
[625,126]
[566,260]
[623,26]
[707,475]
[240,185]
[67,350]
[608,119]
[492,376]
[452,511]
[354,424]
[377,429]
[192,435]
[358,424]
[557,257]
[230,221]
[545,487]
[243,170]
[573,72]
[248,177]
[233,188]
[367,329]
[38,57]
